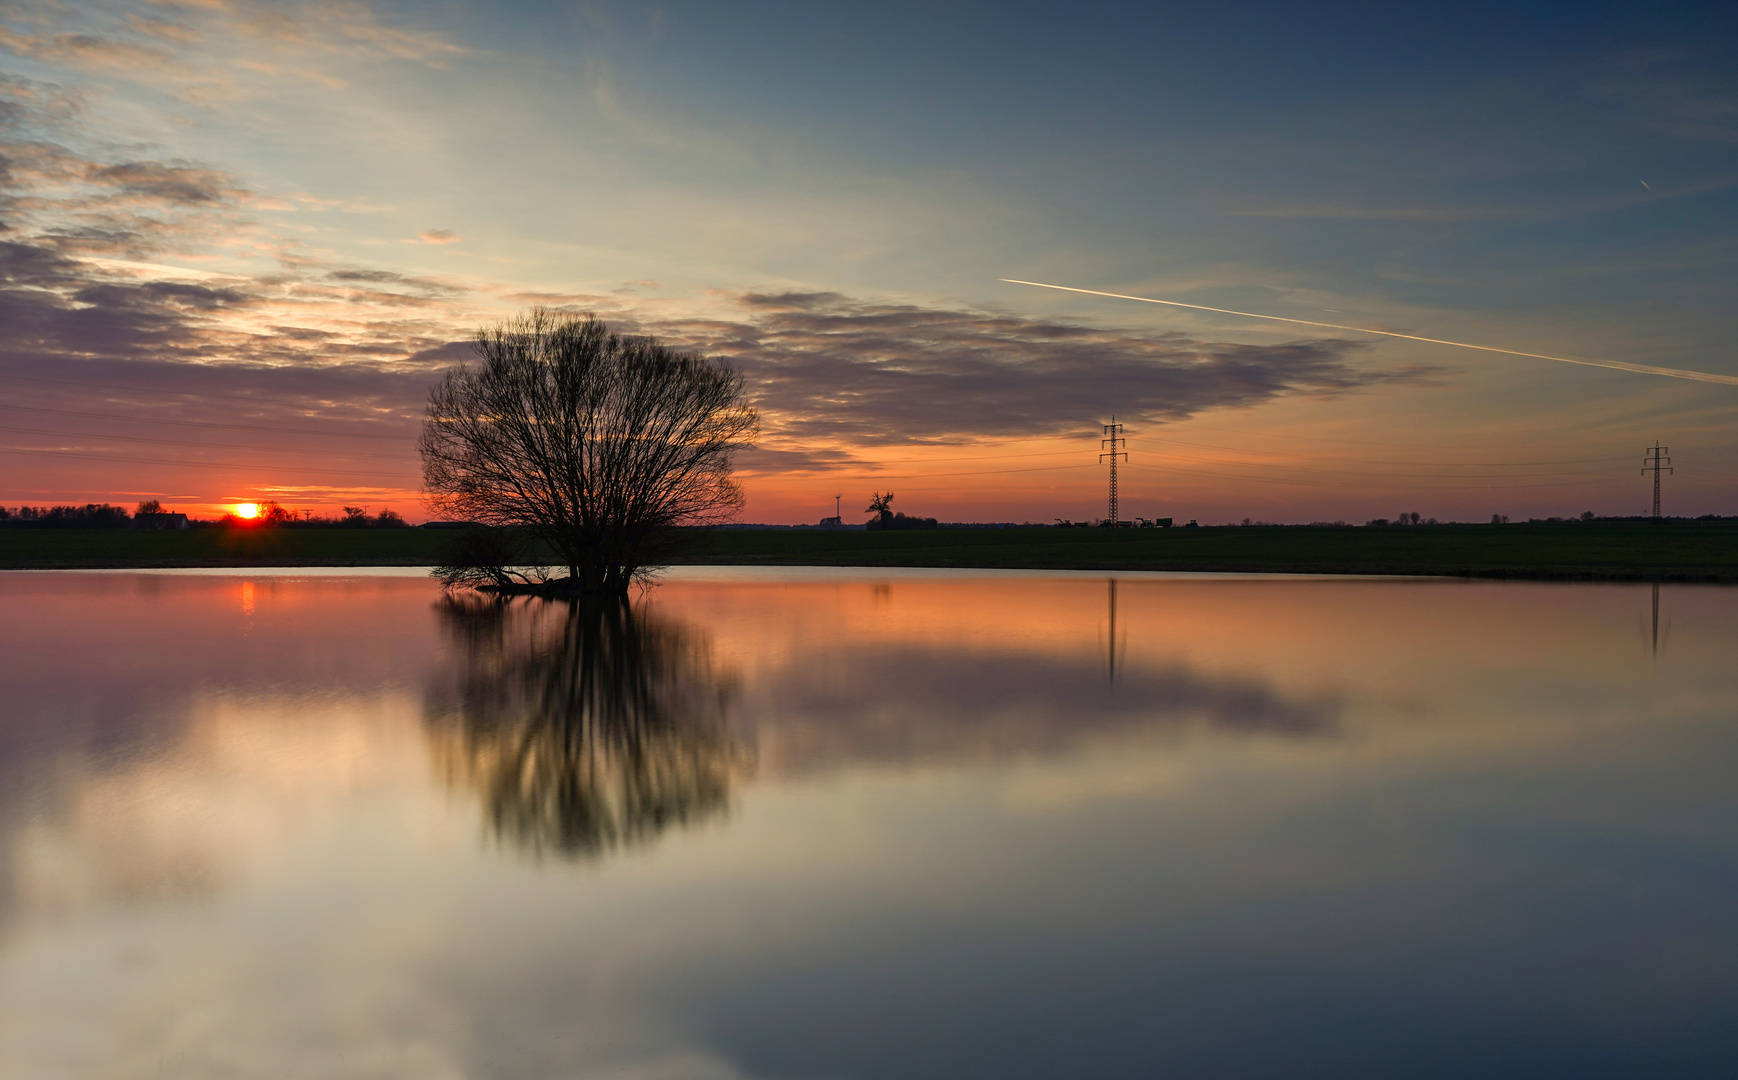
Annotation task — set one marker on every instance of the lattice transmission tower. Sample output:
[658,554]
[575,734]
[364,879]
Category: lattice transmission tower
[1113,439]
[1656,462]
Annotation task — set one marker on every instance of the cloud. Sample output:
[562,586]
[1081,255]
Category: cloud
[935,703]
[156,28]
[423,285]
[87,291]
[93,53]
[176,182]
[336,26]
[86,240]
[823,365]
[92,202]
[200,53]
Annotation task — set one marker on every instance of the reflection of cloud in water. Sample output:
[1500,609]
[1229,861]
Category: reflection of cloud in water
[582,726]
[896,703]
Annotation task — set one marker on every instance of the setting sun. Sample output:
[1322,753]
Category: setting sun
[247,510]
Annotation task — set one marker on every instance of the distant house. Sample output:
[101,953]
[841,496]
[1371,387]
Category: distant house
[160,520]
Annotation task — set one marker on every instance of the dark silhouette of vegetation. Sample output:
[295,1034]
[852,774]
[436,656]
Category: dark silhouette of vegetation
[597,444]
[1616,549]
[882,507]
[583,725]
[497,559]
[356,517]
[152,514]
[88,516]
[270,516]
[901,521]
[1412,518]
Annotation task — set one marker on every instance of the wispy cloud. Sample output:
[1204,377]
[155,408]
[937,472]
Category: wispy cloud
[1684,95]
[201,51]
[94,53]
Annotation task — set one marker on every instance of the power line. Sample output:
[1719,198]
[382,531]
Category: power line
[205,423]
[201,445]
[1178,460]
[928,476]
[1478,484]
[1327,439]
[132,460]
[114,386]
[1368,461]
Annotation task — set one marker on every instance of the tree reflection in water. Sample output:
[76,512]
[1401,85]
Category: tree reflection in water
[583,725]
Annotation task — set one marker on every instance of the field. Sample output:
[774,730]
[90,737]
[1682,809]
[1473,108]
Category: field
[1618,551]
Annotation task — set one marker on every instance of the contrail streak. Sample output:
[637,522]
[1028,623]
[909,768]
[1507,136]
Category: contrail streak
[1618,365]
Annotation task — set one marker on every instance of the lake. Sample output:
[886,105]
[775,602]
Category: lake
[833,823]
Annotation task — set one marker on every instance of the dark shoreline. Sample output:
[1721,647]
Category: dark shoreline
[1701,552]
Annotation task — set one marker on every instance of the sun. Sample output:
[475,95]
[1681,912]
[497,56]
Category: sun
[247,510]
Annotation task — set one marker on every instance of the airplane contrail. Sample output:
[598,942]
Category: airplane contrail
[1617,365]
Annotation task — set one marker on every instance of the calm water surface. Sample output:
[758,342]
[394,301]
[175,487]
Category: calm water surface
[849,824]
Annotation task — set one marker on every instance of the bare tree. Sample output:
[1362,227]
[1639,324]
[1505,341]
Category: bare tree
[881,505]
[594,442]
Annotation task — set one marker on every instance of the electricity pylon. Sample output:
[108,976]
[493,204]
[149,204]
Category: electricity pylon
[1654,462]
[1114,440]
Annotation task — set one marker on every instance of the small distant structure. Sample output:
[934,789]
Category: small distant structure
[837,521]
[159,519]
[1137,523]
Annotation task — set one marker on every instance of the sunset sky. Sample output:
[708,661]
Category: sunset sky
[239,240]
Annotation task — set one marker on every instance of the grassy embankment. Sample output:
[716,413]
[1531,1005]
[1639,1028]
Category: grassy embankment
[1618,551]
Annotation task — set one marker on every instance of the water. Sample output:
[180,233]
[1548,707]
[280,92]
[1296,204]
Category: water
[866,824]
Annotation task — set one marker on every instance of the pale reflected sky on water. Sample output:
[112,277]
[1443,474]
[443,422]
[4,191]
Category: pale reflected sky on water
[866,826]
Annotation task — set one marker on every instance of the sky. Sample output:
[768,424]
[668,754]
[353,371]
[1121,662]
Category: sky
[240,240]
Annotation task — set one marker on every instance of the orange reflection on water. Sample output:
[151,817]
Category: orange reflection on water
[330,824]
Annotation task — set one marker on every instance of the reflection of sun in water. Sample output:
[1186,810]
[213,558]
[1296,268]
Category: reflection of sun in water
[247,510]
[247,598]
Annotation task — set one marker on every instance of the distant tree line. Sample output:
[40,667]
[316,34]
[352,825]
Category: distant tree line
[272,515]
[106,516]
[88,516]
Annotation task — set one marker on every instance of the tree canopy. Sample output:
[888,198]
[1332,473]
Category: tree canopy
[595,442]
